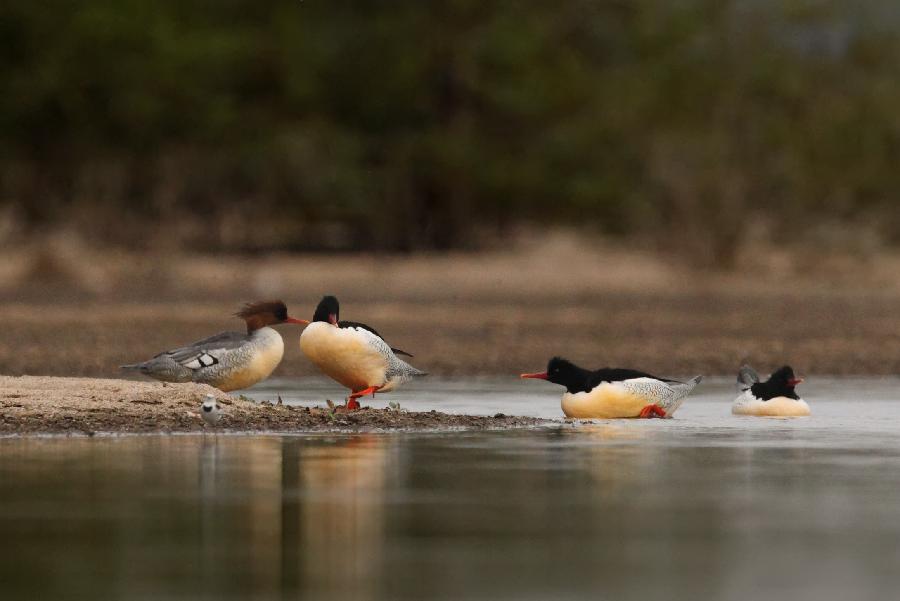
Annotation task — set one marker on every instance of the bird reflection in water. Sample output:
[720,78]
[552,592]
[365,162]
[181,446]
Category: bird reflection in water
[333,522]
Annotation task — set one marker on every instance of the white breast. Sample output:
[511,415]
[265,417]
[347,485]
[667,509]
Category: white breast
[254,363]
[270,352]
[344,354]
[609,400]
[748,404]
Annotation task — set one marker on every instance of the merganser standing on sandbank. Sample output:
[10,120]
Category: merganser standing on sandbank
[230,360]
[353,354]
[613,393]
[775,397]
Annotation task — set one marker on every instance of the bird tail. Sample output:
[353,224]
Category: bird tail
[686,387]
[682,391]
[141,367]
[746,378]
[412,372]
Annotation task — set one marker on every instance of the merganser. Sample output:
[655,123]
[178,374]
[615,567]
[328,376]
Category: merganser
[230,360]
[775,397]
[353,354]
[613,392]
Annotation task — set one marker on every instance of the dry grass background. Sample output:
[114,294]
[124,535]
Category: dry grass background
[72,309]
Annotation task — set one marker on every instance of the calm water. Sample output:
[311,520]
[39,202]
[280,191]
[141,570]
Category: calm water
[701,506]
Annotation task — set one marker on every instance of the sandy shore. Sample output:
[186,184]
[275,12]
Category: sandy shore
[87,406]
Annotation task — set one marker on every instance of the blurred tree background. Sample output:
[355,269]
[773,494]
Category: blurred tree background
[410,125]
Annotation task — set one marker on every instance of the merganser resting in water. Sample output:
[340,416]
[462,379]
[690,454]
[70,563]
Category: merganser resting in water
[230,360]
[353,354]
[612,393]
[775,397]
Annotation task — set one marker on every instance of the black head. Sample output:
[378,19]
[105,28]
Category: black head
[781,383]
[328,310]
[265,313]
[562,371]
[785,375]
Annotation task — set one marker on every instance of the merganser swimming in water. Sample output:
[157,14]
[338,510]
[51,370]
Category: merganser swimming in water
[353,354]
[612,393]
[775,397]
[230,360]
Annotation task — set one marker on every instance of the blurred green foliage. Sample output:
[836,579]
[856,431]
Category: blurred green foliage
[409,125]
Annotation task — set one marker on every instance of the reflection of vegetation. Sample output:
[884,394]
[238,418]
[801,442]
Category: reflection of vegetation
[406,126]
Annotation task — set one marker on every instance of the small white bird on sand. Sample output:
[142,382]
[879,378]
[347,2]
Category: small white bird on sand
[210,410]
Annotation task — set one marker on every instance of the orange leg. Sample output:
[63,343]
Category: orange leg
[652,411]
[351,400]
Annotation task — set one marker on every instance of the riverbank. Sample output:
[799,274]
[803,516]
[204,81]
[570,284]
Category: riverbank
[88,406]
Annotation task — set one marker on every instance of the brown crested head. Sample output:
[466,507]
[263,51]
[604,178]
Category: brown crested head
[265,313]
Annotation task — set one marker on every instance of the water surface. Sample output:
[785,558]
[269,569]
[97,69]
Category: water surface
[705,505]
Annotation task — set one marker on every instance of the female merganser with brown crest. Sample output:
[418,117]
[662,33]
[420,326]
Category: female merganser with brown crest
[230,360]
[613,393]
[353,354]
[775,397]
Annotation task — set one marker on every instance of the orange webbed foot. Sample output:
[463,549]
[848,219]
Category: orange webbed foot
[351,400]
[652,411]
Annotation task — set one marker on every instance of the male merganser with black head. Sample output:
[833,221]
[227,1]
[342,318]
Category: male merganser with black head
[775,397]
[230,360]
[353,354]
[612,392]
